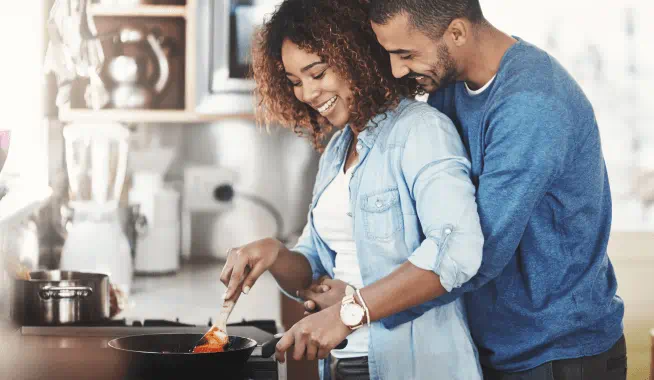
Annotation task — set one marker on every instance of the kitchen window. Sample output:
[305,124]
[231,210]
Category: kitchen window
[23,125]
[21,70]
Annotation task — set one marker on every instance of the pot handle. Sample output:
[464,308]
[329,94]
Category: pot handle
[268,348]
[59,292]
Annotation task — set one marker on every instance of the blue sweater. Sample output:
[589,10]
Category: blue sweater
[546,289]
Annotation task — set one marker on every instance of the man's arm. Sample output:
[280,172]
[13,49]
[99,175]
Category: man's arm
[525,153]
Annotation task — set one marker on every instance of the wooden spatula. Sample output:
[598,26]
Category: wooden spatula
[216,339]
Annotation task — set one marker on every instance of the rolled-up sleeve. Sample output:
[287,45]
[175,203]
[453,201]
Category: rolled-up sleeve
[305,246]
[437,171]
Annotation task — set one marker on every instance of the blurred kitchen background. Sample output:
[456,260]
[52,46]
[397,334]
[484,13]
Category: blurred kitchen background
[129,145]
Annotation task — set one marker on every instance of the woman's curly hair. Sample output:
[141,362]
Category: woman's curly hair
[339,32]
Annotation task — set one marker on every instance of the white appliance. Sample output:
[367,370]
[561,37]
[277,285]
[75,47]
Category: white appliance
[158,239]
[201,184]
[96,161]
[243,217]
[224,30]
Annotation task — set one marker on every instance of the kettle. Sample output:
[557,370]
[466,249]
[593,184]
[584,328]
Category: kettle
[135,86]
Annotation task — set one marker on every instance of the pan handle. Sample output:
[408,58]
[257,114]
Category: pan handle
[59,292]
[268,348]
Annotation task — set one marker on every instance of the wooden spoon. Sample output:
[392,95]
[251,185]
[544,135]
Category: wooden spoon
[216,339]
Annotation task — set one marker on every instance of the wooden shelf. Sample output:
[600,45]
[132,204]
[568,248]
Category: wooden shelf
[138,10]
[145,116]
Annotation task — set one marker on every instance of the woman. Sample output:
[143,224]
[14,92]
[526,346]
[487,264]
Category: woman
[393,212]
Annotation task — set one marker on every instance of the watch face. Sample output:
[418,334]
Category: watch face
[352,314]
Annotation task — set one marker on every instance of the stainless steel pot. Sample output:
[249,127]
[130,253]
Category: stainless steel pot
[59,298]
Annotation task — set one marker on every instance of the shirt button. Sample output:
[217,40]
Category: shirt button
[448,231]
[359,146]
[378,203]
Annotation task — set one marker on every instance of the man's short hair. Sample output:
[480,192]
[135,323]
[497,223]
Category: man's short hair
[432,17]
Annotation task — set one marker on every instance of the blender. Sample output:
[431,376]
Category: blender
[96,162]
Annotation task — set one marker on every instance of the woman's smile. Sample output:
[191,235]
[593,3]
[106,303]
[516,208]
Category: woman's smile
[328,106]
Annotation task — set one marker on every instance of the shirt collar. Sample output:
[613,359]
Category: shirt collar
[374,127]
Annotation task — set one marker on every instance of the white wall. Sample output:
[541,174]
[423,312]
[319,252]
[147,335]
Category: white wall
[591,39]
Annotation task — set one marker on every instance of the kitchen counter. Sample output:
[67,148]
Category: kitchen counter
[194,295]
[85,355]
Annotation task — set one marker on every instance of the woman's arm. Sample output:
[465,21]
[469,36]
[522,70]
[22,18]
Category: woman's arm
[406,287]
[292,270]
[437,172]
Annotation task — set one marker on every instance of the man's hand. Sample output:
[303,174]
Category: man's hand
[314,336]
[322,294]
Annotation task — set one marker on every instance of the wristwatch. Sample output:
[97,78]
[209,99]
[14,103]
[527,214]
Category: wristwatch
[352,314]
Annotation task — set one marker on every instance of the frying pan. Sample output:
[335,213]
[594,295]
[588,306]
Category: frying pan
[169,356]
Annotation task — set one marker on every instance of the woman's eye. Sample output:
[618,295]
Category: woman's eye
[295,84]
[406,57]
[320,75]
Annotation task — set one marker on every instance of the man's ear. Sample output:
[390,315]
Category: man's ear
[458,32]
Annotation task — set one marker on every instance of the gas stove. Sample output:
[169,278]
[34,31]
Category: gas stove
[94,338]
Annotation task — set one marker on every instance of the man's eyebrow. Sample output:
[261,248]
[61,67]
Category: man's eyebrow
[399,51]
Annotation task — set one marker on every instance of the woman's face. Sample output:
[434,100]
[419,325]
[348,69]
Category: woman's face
[317,85]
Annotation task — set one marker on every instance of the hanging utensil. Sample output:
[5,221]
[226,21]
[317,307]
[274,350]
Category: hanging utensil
[75,50]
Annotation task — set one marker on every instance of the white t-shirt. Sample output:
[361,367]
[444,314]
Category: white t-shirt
[333,222]
[482,89]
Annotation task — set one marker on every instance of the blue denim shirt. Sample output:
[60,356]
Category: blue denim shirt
[411,198]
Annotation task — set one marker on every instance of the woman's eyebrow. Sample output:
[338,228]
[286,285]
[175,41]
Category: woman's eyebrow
[307,67]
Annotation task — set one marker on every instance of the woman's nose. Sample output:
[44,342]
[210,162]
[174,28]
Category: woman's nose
[311,92]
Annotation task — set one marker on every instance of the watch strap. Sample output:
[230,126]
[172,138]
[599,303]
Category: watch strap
[365,307]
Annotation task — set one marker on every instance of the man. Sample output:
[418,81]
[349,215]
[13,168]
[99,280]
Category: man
[544,301]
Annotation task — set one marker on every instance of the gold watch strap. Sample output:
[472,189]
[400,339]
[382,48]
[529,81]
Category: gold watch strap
[349,299]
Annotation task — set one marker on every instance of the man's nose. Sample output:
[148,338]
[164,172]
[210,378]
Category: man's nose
[398,67]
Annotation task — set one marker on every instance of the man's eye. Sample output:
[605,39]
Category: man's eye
[320,75]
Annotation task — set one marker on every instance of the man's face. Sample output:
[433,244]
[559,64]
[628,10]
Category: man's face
[415,54]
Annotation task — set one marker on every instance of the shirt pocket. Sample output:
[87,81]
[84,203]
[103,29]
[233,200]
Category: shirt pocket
[382,214]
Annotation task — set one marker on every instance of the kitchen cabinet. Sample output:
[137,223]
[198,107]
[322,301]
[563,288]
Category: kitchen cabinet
[176,21]
[632,259]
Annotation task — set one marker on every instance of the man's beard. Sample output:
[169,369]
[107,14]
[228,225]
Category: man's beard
[446,66]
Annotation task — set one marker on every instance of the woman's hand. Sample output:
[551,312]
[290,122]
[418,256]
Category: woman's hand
[322,294]
[245,264]
[314,336]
